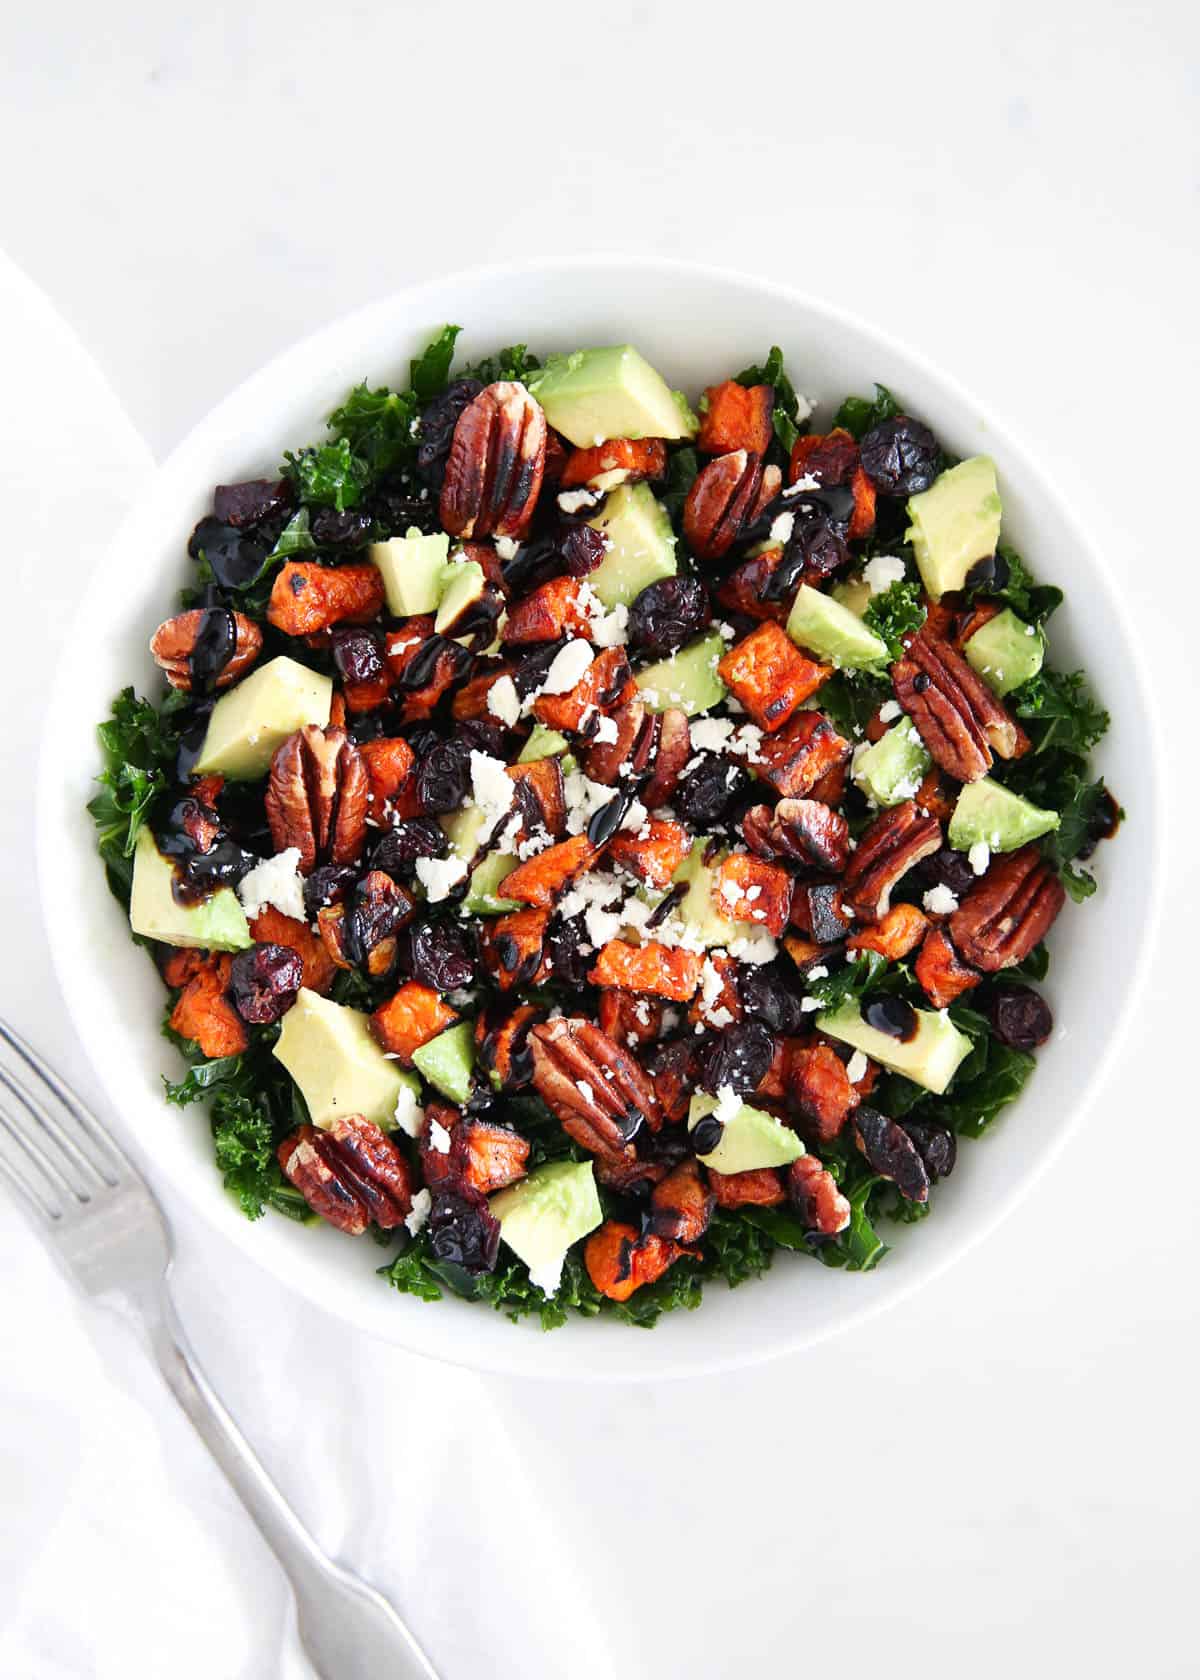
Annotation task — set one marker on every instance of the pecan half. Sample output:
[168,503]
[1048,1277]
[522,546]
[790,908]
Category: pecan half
[799,830]
[599,1093]
[895,841]
[350,1174]
[892,1153]
[726,496]
[669,751]
[814,1194]
[316,797]
[183,642]
[496,462]
[1009,912]
[957,716]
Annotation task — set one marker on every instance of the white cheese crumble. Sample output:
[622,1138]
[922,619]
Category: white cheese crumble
[493,790]
[408,1115]
[439,875]
[711,734]
[781,527]
[414,1222]
[571,501]
[506,547]
[806,481]
[606,732]
[728,1104]
[439,1137]
[979,857]
[889,711]
[746,742]
[275,881]
[939,900]
[503,701]
[584,798]
[548,1275]
[568,666]
[755,948]
[606,629]
[856,1067]
[635,816]
[882,572]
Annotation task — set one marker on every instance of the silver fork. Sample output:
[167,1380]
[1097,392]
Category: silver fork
[99,1219]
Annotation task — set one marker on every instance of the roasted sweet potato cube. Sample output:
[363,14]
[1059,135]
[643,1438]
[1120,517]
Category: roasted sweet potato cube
[682,1204]
[405,642]
[672,1070]
[653,853]
[900,931]
[389,762]
[424,667]
[747,889]
[513,946]
[749,588]
[471,700]
[795,759]
[761,1187]
[805,953]
[717,1007]
[539,880]
[272,927]
[441,1161]
[606,684]
[941,972]
[492,1156]
[207,789]
[775,1083]
[205,1015]
[736,416]
[307,597]
[830,788]
[628,1019]
[618,1261]
[829,457]
[501,1042]
[551,610]
[770,676]
[411,1018]
[178,966]
[540,797]
[663,970]
[821,1090]
[636,458]
[862,520]
[817,911]
[937,795]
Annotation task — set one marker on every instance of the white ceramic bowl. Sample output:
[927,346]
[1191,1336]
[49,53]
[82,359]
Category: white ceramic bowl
[696,325]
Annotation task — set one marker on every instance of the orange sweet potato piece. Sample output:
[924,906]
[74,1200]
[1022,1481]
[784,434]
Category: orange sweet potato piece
[830,788]
[205,1015]
[761,1187]
[501,1040]
[389,762]
[485,1156]
[409,1019]
[660,969]
[618,1261]
[937,795]
[748,889]
[832,458]
[745,590]
[941,972]
[640,458]
[178,966]
[540,795]
[207,789]
[900,932]
[307,597]
[607,683]
[795,759]
[770,676]
[628,1019]
[272,927]
[654,855]
[727,999]
[682,1204]
[821,1090]
[539,880]
[551,610]
[513,946]
[736,416]
[470,701]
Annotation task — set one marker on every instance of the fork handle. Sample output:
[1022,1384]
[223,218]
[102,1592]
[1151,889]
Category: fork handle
[349,1631]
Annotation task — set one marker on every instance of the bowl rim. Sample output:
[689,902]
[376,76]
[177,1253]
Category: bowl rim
[203,1194]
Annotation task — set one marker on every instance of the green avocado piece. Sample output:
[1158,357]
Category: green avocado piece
[412,569]
[688,679]
[216,924]
[448,1061]
[1006,651]
[930,1058]
[482,898]
[331,1054]
[751,1138]
[697,908]
[853,594]
[986,811]
[955,523]
[462,585]
[462,829]
[830,630]
[542,743]
[593,395]
[256,716]
[545,1213]
[641,544]
[891,771]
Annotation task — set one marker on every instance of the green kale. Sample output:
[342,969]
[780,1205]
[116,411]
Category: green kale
[682,468]
[990,1077]
[329,475]
[429,372]
[786,413]
[139,742]
[1062,713]
[860,975]
[377,427]
[894,614]
[858,415]
[1034,602]
[1076,816]
[850,700]
[514,362]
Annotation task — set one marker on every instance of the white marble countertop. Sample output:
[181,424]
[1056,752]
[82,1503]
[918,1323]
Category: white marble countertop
[1002,1473]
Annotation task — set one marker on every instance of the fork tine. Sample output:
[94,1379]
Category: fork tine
[53,1145]
[43,1185]
[103,1158]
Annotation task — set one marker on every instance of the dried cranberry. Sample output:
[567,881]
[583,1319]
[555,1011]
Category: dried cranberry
[1020,1017]
[482,735]
[565,941]
[349,529]
[936,1145]
[891,1015]
[990,575]
[438,955]
[234,559]
[330,884]
[358,654]
[421,737]
[536,561]
[402,845]
[892,1152]
[437,423]
[901,456]
[443,776]
[397,511]
[738,1057]
[462,1230]
[582,549]
[767,996]
[709,790]
[240,505]
[667,614]
[263,982]
[816,548]
[947,868]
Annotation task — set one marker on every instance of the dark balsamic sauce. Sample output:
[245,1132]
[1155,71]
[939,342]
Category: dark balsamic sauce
[215,645]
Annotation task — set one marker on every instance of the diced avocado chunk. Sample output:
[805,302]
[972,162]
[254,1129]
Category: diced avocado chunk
[891,770]
[462,585]
[930,1058]
[448,1060]
[688,679]
[542,743]
[1006,651]
[331,1054]
[216,924]
[249,722]
[955,523]
[825,627]
[482,898]
[545,1213]
[641,544]
[697,908]
[988,812]
[412,569]
[751,1138]
[463,829]
[593,395]
[853,594]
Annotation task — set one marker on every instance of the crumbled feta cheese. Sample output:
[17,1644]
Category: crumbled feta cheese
[601,925]
[439,875]
[606,732]
[503,701]
[568,666]
[781,527]
[275,881]
[493,790]
[439,1137]
[506,845]
[635,816]
[710,735]
[584,798]
[548,1275]
[940,901]
[809,1004]
[882,572]
[571,501]
[806,481]
[414,1221]
[889,711]
[536,842]
[818,973]
[728,1104]
[746,741]
[755,948]
[506,548]
[585,1090]
[606,629]
[856,1067]
[979,857]
[408,1115]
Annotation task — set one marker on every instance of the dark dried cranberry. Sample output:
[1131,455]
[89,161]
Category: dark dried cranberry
[936,1145]
[901,456]
[946,868]
[767,995]
[263,982]
[421,737]
[482,735]
[706,1134]
[1020,1017]
[443,776]
[816,547]
[240,505]
[330,884]
[397,511]
[565,941]
[582,550]
[891,1015]
[890,1150]
[667,614]
[233,558]
[358,654]
[708,791]
[349,529]
[738,1057]
[536,561]
[438,420]
[438,955]
[989,574]
[462,1230]
[402,845]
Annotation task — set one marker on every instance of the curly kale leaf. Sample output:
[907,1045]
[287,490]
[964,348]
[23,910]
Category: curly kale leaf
[850,700]
[895,613]
[1061,711]
[329,475]
[1034,602]
[785,414]
[139,742]
[514,362]
[857,415]
[429,372]
[682,470]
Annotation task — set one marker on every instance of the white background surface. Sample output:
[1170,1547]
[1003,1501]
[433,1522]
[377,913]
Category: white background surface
[1001,1473]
